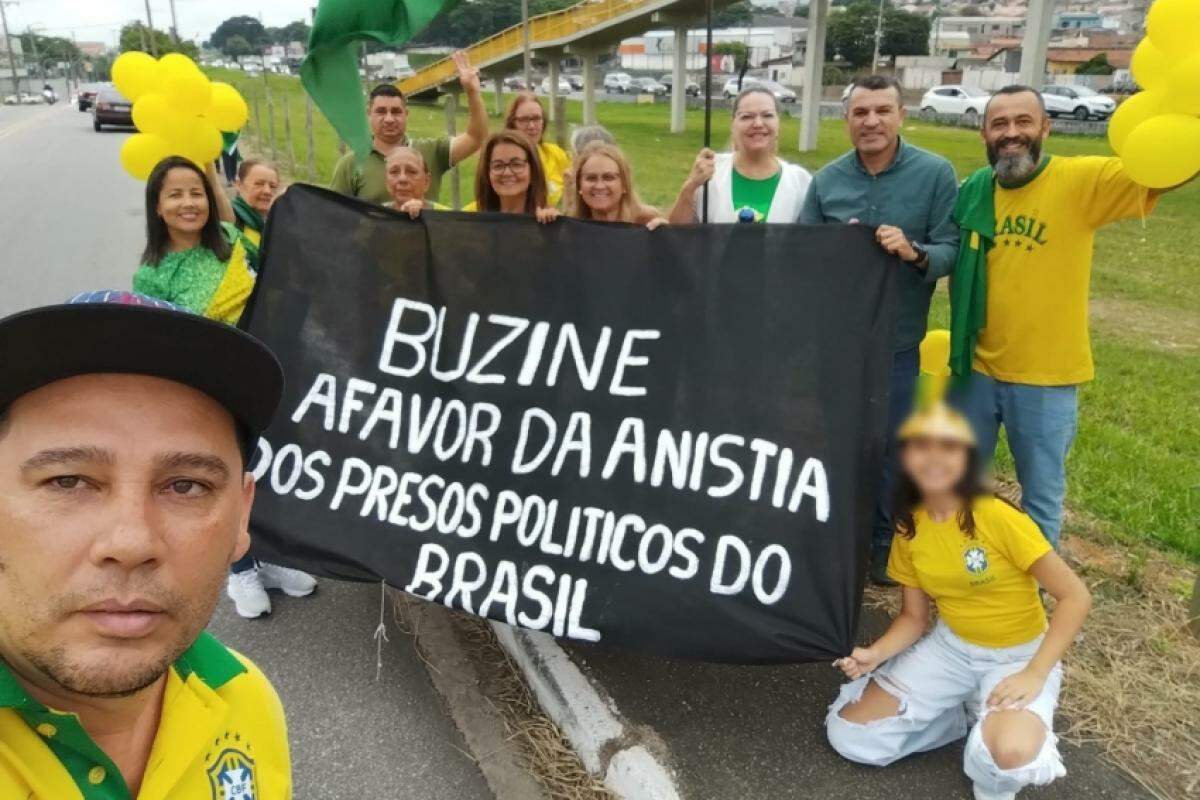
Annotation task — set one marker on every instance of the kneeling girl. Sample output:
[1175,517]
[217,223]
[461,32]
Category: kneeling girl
[989,670]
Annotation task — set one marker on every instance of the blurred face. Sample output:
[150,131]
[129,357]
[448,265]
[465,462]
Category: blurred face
[389,119]
[935,465]
[530,120]
[600,185]
[508,170]
[182,203]
[1014,127]
[755,124]
[407,178]
[123,502]
[259,188]
[873,118]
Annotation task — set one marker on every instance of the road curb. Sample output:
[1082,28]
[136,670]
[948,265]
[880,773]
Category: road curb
[588,718]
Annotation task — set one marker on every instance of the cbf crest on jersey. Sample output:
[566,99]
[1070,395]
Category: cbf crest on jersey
[976,560]
[231,775]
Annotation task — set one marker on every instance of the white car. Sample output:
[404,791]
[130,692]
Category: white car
[781,92]
[564,85]
[618,82]
[1079,102]
[966,101]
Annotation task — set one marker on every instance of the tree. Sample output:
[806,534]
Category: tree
[247,27]
[136,36]
[1096,65]
[801,11]
[237,45]
[736,15]
[851,33]
[738,50]
[970,11]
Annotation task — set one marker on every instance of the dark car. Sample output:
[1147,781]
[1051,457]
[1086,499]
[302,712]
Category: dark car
[690,87]
[87,95]
[111,108]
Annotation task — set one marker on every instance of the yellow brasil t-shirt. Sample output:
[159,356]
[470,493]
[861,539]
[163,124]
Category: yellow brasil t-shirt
[981,584]
[221,734]
[1039,270]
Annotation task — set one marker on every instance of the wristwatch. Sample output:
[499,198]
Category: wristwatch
[922,255]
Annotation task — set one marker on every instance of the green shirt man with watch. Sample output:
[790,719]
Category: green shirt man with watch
[907,195]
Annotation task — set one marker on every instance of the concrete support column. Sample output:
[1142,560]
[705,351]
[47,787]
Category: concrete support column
[589,87]
[499,82]
[679,80]
[553,58]
[1033,47]
[814,67]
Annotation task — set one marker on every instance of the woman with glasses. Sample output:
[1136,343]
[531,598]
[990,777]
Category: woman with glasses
[525,114]
[750,184]
[604,189]
[510,179]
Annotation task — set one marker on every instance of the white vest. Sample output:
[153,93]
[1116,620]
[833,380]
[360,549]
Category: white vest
[785,206]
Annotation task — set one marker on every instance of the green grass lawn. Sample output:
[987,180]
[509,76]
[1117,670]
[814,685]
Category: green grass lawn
[1135,469]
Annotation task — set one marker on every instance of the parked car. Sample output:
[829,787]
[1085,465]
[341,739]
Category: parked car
[617,82]
[515,83]
[690,87]
[112,108]
[1078,101]
[11,100]
[967,101]
[87,95]
[576,82]
[564,86]
[781,92]
[648,86]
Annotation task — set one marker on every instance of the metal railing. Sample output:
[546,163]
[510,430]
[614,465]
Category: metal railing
[555,26]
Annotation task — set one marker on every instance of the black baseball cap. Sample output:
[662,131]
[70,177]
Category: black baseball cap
[124,332]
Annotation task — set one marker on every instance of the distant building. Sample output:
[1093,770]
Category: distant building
[654,51]
[954,36]
[92,49]
[1077,20]
[1065,60]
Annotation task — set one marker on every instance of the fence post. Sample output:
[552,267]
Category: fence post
[312,150]
[271,126]
[258,131]
[287,132]
[1194,620]
[451,129]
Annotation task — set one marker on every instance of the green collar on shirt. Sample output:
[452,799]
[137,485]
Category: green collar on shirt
[901,150]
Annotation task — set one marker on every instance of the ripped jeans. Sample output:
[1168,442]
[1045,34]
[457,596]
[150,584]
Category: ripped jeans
[938,680]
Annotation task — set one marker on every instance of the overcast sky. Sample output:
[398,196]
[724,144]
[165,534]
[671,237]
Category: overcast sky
[100,20]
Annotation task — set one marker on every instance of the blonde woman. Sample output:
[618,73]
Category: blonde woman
[604,189]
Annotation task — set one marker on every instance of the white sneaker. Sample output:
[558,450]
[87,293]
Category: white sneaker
[291,582]
[988,794]
[248,594]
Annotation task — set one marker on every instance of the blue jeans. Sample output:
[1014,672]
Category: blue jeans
[1040,422]
[905,366]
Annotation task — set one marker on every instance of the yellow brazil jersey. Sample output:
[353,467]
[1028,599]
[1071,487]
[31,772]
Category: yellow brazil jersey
[1039,270]
[555,163]
[981,584]
[221,735]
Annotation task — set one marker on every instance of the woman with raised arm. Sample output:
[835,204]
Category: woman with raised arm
[604,189]
[525,114]
[509,178]
[750,184]
[981,561]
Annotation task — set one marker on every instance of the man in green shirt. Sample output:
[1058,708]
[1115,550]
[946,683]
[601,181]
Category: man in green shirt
[907,195]
[387,113]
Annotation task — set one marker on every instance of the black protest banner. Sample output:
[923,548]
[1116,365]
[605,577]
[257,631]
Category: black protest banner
[665,440]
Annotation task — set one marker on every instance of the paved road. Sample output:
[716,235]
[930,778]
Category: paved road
[70,220]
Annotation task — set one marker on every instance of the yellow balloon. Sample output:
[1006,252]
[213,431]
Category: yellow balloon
[1163,151]
[1131,113]
[141,152]
[134,74]
[1183,85]
[201,142]
[1172,25]
[1149,66]
[151,114]
[177,63]
[227,110]
[935,352]
[189,92]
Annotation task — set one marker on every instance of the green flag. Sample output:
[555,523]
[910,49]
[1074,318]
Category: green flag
[330,71]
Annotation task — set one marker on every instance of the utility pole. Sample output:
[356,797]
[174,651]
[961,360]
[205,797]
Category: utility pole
[174,24]
[528,57]
[878,38]
[150,33]
[33,44]
[8,46]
